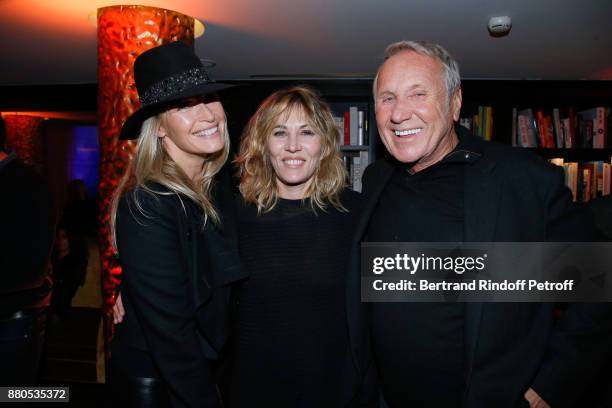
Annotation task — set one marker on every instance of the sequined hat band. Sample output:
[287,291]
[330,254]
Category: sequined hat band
[173,85]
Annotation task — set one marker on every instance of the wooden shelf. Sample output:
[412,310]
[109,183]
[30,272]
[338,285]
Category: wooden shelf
[354,148]
[576,154]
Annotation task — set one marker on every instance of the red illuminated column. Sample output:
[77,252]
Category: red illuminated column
[24,136]
[124,32]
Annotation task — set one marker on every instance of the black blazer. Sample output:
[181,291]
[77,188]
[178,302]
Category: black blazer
[510,195]
[175,290]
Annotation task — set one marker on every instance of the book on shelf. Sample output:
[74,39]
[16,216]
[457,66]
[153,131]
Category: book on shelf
[587,180]
[514,124]
[360,128]
[558,128]
[561,128]
[347,128]
[356,164]
[354,125]
[585,185]
[606,179]
[480,123]
[586,133]
[571,178]
[488,134]
[481,120]
[339,120]
[593,127]
[545,130]
[589,170]
[526,129]
[476,125]
[598,178]
[569,128]
[356,173]
[352,121]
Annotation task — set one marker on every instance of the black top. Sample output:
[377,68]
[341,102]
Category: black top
[427,207]
[292,337]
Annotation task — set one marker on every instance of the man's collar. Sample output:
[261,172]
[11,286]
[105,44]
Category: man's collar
[468,150]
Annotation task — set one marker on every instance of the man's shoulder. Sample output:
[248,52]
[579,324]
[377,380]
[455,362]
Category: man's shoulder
[516,159]
[350,199]
[17,166]
[379,168]
[501,155]
[23,178]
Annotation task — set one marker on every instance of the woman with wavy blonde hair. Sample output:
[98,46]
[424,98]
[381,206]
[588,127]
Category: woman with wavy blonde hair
[295,220]
[261,173]
[176,263]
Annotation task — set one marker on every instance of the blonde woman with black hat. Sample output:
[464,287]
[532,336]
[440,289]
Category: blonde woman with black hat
[177,262]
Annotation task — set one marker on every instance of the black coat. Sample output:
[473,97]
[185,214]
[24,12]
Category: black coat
[27,231]
[175,291]
[510,195]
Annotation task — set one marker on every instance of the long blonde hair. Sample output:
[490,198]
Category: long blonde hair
[257,176]
[152,163]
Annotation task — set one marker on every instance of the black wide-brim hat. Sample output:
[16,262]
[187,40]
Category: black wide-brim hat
[165,75]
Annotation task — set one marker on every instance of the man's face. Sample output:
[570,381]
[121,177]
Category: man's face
[411,109]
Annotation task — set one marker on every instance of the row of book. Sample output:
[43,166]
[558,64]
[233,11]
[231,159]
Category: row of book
[352,126]
[480,123]
[586,180]
[355,164]
[561,128]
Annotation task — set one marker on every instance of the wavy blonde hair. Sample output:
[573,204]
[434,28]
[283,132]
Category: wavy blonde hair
[152,163]
[257,176]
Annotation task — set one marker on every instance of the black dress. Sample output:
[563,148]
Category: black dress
[291,340]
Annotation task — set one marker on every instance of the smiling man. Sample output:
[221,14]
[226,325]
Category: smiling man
[444,185]
[414,111]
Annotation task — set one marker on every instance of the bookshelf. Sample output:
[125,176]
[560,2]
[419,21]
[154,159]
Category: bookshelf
[578,155]
[504,95]
[586,159]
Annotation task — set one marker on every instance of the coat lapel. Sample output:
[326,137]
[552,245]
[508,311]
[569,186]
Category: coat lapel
[481,202]
[482,196]
[382,172]
[371,195]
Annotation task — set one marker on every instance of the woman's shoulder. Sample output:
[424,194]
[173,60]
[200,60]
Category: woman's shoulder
[150,194]
[148,201]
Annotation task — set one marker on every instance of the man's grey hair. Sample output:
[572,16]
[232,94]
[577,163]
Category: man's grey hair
[450,67]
